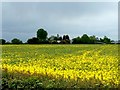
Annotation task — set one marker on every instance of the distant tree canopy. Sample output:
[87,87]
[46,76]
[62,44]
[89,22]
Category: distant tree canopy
[16,41]
[106,40]
[76,40]
[65,39]
[42,34]
[33,40]
[2,41]
[85,39]
[93,39]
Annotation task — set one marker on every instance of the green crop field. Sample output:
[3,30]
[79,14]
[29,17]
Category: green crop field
[60,66]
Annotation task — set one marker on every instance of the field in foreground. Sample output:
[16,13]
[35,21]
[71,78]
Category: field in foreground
[60,66]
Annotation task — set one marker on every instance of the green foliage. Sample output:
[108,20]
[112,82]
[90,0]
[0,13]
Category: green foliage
[53,39]
[2,41]
[59,66]
[28,83]
[42,34]
[42,39]
[66,39]
[16,41]
[56,39]
[93,39]
[76,40]
[33,40]
[106,40]
[85,39]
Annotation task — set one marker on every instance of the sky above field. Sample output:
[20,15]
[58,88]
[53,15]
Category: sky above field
[22,20]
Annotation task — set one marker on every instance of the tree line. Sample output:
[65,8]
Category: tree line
[65,39]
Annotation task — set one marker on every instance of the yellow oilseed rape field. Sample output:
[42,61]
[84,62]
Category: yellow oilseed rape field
[60,66]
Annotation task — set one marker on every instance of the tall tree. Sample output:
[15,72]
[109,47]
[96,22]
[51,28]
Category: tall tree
[42,34]
[64,37]
[67,37]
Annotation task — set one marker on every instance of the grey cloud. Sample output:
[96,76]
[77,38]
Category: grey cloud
[23,19]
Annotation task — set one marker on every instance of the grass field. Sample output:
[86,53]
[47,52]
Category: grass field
[60,66]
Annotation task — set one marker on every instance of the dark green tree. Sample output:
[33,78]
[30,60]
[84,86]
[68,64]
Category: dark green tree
[85,39]
[2,41]
[93,39]
[42,34]
[76,40]
[106,40]
[8,42]
[33,40]
[60,38]
[53,39]
[66,39]
[16,41]
[101,40]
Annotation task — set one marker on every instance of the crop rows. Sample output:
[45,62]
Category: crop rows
[60,66]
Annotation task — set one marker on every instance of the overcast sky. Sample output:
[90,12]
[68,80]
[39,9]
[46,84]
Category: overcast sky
[22,20]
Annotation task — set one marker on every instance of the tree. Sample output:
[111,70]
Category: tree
[76,40]
[33,40]
[93,39]
[2,41]
[53,39]
[8,42]
[16,41]
[85,39]
[60,38]
[106,40]
[101,40]
[66,39]
[42,34]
